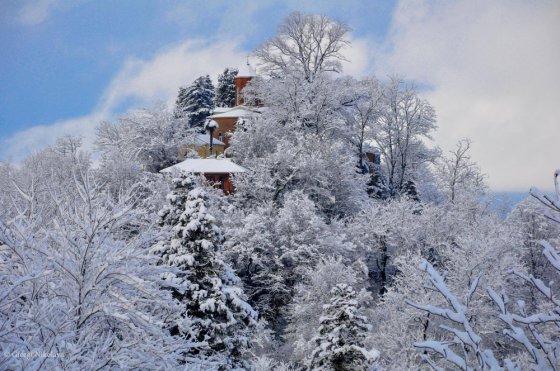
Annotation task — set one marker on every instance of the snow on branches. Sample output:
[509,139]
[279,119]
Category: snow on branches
[215,313]
[534,332]
[340,343]
[74,274]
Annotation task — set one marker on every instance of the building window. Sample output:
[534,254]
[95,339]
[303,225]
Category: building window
[220,137]
[222,182]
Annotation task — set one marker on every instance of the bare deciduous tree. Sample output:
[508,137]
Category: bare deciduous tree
[308,43]
[458,174]
[363,101]
[399,133]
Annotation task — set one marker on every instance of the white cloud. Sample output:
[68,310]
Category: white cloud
[493,71]
[21,144]
[140,81]
[160,77]
[491,68]
[36,11]
[359,57]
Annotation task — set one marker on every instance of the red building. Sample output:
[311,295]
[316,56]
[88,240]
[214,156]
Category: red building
[218,171]
[227,118]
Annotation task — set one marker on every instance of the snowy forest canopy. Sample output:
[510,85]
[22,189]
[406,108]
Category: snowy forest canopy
[321,260]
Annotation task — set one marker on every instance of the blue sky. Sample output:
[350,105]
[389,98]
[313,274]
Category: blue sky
[56,67]
[491,66]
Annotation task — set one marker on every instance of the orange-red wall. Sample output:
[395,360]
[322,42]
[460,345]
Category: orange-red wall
[217,179]
[240,83]
[225,125]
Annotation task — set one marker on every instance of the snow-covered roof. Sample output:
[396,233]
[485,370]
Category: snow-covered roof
[206,166]
[205,139]
[246,70]
[221,109]
[370,147]
[237,111]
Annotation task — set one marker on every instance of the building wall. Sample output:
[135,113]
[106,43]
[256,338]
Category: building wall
[203,150]
[226,125]
[240,83]
[222,181]
[372,157]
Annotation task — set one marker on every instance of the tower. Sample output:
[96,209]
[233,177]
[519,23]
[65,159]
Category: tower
[246,73]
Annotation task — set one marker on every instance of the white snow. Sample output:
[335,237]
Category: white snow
[221,109]
[246,70]
[206,166]
[211,124]
[237,111]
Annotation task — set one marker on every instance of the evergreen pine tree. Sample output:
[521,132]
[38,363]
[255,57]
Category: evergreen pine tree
[340,345]
[225,91]
[409,189]
[195,102]
[377,184]
[216,312]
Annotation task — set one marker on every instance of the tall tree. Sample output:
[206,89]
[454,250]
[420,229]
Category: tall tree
[308,44]
[195,102]
[214,305]
[377,184]
[399,133]
[298,143]
[313,293]
[362,102]
[535,227]
[458,177]
[225,91]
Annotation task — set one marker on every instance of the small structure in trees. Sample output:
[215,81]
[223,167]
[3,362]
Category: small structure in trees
[216,171]
[227,118]
[200,143]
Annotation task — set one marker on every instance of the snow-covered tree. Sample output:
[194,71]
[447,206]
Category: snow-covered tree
[215,312]
[306,43]
[534,333]
[381,231]
[459,178]
[464,244]
[399,132]
[79,290]
[226,91]
[377,184]
[552,203]
[363,104]
[298,143]
[195,102]
[257,257]
[535,227]
[140,140]
[273,248]
[312,294]
[465,350]
[467,342]
[340,343]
